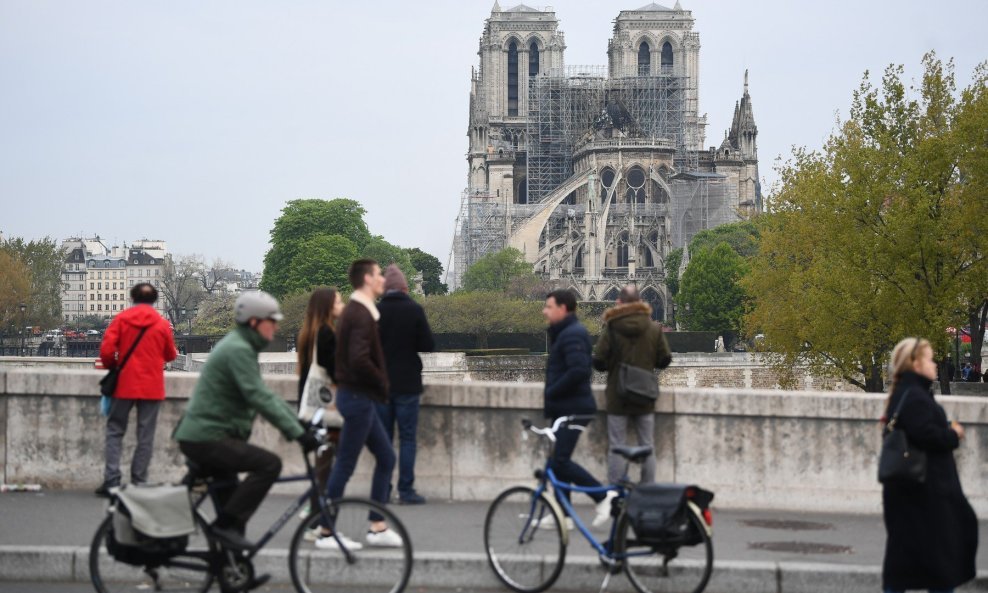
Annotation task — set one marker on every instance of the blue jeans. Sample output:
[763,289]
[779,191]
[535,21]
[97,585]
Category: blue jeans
[361,426]
[567,470]
[931,591]
[403,409]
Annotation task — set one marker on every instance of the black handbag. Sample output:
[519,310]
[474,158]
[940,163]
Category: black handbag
[899,461]
[634,384]
[108,384]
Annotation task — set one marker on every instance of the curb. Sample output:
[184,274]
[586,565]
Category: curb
[452,570]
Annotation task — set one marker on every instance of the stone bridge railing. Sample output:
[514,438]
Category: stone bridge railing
[813,451]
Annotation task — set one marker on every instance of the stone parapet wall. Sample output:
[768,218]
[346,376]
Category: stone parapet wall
[813,451]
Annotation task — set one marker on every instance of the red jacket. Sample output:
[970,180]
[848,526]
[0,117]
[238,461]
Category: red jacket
[144,375]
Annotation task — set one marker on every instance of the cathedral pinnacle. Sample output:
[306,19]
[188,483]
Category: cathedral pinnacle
[678,6]
[497,7]
[746,81]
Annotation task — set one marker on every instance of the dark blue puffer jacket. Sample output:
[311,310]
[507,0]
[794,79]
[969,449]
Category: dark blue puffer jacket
[567,371]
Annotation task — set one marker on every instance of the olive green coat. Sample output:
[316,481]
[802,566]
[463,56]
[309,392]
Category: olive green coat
[638,341]
[230,393]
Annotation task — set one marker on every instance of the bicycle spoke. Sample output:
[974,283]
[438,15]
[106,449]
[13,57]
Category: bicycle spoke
[667,568]
[524,544]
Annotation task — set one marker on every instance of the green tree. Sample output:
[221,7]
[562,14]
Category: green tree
[672,264]
[321,260]
[44,258]
[386,254]
[482,314]
[881,234]
[495,271]
[293,308]
[215,314]
[432,271]
[302,220]
[711,297]
[741,236]
[15,288]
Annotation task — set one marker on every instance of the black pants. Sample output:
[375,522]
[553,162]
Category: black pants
[564,467]
[224,460]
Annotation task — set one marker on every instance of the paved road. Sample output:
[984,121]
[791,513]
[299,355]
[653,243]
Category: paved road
[69,519]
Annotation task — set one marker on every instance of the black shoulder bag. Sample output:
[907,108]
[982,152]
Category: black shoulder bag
[634,384]
[108,384]
[899,461]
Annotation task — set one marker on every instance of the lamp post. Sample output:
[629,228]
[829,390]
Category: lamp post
[957,354]
[23,308]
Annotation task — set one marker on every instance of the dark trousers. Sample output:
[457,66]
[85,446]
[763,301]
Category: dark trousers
[361,426]
[564,467]
[402,409]
[223,460]
[116,428]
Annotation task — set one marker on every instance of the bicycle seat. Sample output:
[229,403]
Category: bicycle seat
[633,454]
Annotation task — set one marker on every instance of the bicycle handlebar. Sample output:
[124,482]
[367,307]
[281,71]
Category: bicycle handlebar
[550,432]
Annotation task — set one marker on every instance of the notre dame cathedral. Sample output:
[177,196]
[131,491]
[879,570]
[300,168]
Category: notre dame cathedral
[595,173]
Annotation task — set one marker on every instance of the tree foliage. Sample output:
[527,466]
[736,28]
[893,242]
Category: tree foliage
[495,271]
[215,314]
[181,287]
[385,254]
[301,221]
[432,271]
[881,234]
[482,314]
[44,259]
[321,260]
[15,288]
[741,236]
[711,297]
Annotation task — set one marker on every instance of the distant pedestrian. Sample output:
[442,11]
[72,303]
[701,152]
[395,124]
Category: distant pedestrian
[966,371]
[404,332]
[629,337]
[719,344]
[932,529]
[141,383]
[568,392]
[951,369]
[318,335]
[363,381]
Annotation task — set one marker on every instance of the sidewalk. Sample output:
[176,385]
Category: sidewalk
[43,534]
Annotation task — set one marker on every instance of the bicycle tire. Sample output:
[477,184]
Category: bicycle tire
[372,569]
[520,549]
[687,572]
[111,576]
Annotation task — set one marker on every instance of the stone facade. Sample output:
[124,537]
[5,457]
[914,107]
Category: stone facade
[596,173]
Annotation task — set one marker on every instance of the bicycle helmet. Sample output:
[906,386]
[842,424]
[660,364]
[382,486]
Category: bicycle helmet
[257,304]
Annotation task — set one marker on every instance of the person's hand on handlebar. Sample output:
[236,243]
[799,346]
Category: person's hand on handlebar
[308,441]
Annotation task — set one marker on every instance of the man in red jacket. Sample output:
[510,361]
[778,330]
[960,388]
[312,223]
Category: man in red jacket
[141,383]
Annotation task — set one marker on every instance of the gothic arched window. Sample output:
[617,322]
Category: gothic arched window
[578,261]
[533,59]
[513,79]
[523,191]
[659,195]
[644,59]
[606,181]
[636,185]
[622,250]
[654,300]
[666,56]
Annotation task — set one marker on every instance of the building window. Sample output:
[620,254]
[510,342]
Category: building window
[513,79]
[622,250]
[99,307]
[92,307]
[523,191]
[157,271]
[606,181]
[666,56]
[533,59]
[92,286]
[644,59]
[636,185]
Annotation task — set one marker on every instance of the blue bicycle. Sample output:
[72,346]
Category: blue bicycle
[660,534]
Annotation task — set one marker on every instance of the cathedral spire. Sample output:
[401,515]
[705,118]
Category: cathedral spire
[745,82]
[497,7]
[678,6]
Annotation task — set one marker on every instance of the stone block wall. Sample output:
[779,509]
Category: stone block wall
[812,451]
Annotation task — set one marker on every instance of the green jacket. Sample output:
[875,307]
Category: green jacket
[230,394]
[638,341]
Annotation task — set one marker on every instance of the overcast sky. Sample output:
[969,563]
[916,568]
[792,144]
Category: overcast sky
[195,121]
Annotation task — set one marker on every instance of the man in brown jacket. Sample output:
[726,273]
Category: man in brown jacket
[629,336]
[362,379]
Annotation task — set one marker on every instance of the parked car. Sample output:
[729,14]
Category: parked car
[93,333]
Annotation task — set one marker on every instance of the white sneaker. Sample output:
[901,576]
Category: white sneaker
[549,522]
[328,542]
[384,539]
[313,534]
[603,510]
[304,513]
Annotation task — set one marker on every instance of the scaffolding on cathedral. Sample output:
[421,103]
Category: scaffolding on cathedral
[565,105]
[480,230]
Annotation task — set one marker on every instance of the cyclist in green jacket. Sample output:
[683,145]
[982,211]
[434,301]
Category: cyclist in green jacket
[227,398]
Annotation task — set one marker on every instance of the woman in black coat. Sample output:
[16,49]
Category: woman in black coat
[932,530]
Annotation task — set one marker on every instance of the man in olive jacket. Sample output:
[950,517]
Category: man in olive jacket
[629,336]
[213,432]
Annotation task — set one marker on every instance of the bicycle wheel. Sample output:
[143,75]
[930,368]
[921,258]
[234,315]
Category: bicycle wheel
[666,568]
[187,572]
[524,540]
[370,568]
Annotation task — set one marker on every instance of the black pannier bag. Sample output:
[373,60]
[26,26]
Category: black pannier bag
[149,524]
[660,513]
